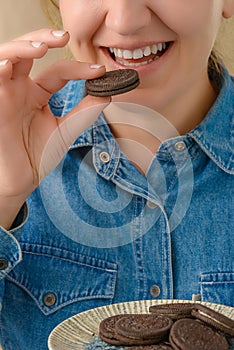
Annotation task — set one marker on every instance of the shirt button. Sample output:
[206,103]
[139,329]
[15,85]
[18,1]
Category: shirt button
[180,146]
[155,291]
[3,263]
[105,157]
[151,205]
[49,299]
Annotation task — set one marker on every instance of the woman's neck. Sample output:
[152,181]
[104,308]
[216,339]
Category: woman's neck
[140,130]
[188,111]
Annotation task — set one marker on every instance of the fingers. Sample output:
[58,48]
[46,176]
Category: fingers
[57,75]
[17,50]
[52,38]
[33,45]
[5,70]
[23,50]
[20,55]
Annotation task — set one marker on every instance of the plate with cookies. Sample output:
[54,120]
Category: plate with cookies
[148,325]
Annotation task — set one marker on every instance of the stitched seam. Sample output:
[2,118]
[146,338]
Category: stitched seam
[212,155]
[68,251]
[70,261]
[220,282]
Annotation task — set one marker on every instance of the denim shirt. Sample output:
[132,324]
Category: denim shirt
[97,231]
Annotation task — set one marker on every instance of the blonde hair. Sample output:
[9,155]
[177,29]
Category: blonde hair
[51,10]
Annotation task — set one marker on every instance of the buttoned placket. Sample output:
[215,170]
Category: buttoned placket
[110,164]
[113,166]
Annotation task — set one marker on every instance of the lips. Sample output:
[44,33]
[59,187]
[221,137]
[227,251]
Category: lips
[138,56]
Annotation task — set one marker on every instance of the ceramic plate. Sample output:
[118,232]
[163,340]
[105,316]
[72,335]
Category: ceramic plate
[79,331]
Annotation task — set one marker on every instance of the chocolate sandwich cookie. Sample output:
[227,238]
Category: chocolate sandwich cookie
[173,310]
[113,83]
[107,329]
[214,319]
[151,347]
[143,329]
[191,334]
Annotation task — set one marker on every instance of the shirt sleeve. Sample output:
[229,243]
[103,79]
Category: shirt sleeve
[10,251]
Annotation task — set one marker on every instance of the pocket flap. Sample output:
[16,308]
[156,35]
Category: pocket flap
[54,282]
[218,287]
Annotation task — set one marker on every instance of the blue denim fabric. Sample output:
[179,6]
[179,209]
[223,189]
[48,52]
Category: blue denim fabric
[99,232]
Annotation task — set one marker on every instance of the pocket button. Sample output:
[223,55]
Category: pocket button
[49,299]
[155,291]
[3,263]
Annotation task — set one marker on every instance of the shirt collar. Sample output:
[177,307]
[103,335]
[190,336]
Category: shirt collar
[215,134]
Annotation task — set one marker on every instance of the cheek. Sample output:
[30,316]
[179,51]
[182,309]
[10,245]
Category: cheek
[189,18]
[81,18]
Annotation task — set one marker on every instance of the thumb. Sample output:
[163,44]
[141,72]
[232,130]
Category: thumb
[69,129]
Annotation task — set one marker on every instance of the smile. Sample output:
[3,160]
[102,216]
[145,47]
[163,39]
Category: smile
[139,56]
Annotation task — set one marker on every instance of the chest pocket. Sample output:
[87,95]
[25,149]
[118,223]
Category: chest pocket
[218,287]
[54,282]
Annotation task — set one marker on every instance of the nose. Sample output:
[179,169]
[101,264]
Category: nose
[127,17]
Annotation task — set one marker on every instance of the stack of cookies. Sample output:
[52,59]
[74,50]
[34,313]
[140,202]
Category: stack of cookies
[178,326]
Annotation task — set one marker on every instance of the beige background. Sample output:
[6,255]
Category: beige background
[20,16]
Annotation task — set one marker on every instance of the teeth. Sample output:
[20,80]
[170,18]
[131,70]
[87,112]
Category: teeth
[127,54]
[138,53]
[154,49]
[119,53]
[147,51]
[160,46]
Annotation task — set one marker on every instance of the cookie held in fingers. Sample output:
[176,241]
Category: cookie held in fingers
[213,319]
[191,334]
[113,83]
[173,310]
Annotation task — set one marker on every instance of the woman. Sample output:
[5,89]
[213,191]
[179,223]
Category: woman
[139,208]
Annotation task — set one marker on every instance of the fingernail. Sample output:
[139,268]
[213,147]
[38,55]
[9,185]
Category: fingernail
[36,44]
[3,62]
[58,33]
[96,66]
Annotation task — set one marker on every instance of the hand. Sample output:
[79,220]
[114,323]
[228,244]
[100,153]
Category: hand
[27,125]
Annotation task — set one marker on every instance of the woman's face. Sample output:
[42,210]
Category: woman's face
[167,41]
